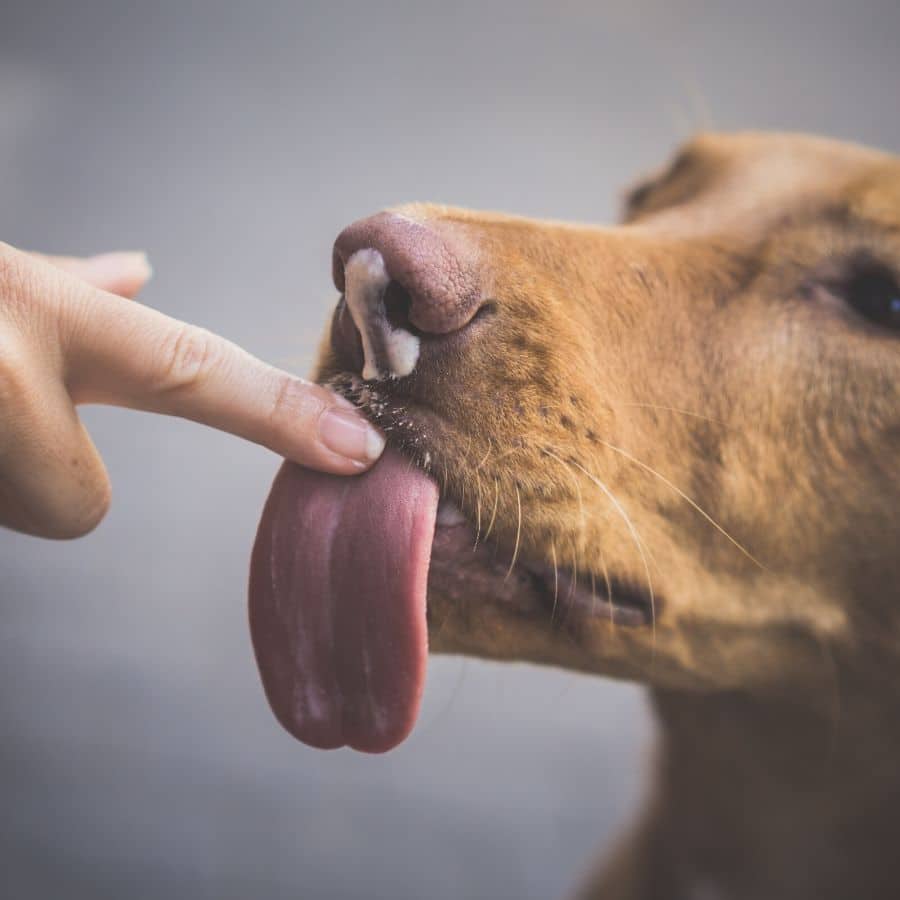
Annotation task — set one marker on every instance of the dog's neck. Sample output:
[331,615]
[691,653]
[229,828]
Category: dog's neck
[768,798]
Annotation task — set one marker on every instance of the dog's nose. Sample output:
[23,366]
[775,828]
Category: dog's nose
[402,281]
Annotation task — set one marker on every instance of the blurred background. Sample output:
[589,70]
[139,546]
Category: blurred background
[232,141]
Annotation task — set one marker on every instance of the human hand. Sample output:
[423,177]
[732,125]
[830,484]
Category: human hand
[68,336]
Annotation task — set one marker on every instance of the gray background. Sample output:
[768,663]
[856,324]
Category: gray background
[232,141]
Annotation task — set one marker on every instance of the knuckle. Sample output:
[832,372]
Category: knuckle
[284,402]
[280,405]
[189,355]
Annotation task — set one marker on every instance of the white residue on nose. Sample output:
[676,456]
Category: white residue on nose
[365,281]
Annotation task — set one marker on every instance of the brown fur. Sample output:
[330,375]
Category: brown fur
[684,354]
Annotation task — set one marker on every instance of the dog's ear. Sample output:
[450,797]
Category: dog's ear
[683,174]
[877,197]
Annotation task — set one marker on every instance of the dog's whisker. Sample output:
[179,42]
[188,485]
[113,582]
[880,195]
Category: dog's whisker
[680,120]
[512,562]
[484,460]
[573,587]
[477,512]
[427,727]
[608,584]
[477,474]
[462,494]
[490,527]
[700,105]
[683,412]
[468,449]
[686,498]
[582,519]
[582,513]
[631,528]
[555,582]
[510,452]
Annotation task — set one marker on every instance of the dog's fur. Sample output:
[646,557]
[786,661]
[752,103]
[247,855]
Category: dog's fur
[686,404]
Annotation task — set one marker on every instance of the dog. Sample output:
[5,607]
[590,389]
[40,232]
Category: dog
[664,451]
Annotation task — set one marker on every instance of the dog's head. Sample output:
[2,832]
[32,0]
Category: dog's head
[672,444]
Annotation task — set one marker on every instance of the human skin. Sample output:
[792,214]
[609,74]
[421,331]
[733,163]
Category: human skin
[71,333]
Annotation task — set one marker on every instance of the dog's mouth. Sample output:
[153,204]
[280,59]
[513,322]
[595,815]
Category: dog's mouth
[465,569]
[340,578]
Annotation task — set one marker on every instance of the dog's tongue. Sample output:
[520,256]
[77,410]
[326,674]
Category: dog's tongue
[337,602]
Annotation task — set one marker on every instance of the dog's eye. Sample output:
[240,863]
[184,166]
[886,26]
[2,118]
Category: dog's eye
[874,293]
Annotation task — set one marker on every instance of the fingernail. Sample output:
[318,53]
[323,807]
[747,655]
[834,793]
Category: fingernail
[119,265]
[348,434]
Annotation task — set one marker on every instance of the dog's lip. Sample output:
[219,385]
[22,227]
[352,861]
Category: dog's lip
[461,557]
[394,406]
[594,598]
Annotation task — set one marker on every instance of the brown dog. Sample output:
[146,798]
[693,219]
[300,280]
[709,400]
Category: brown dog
[675,445]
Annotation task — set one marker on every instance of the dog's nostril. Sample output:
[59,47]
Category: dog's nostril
[397,306]
[402,281]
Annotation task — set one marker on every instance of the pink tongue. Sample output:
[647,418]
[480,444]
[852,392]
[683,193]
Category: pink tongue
[337,602]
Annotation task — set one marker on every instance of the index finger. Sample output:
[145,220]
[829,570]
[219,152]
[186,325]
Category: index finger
[125,354]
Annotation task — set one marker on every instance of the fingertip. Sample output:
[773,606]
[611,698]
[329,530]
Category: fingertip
[375,443]
[346,433]
[320,430]
[121,272]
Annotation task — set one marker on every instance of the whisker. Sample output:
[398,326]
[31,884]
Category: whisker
[581,514]
[477,511]
[462,495]
[477,471]
[609,590]
[468,447]
[555,582]
[484,459]
[679,120]
[699,104]
[454,693]
[510,452]
[490,527]
[573,587]
[512,562]
[683,412]
[629,524]
[685,497]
